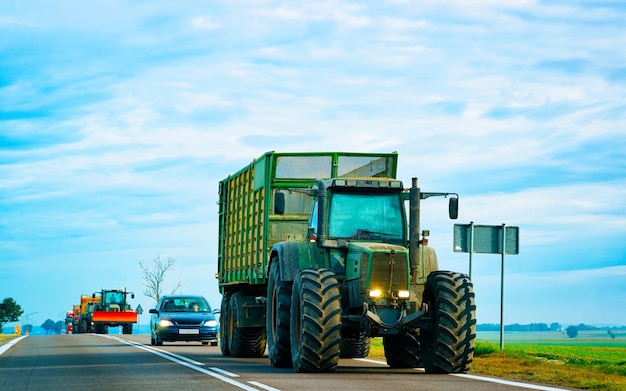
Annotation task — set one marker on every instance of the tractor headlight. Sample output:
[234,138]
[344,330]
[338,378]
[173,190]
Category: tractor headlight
[210,323]
[403,294]
[375,293]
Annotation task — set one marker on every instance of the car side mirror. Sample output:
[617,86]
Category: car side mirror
[153,311]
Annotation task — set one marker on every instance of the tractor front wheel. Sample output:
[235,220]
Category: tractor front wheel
[448,346]
[315,321]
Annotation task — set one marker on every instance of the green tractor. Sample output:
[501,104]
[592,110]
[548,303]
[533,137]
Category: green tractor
[319,253]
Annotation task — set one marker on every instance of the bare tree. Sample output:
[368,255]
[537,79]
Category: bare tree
[153,275]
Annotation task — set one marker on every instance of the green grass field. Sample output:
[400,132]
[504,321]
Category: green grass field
[593,360]
[590,361]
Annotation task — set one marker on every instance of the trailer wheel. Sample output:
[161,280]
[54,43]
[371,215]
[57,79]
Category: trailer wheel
[448,346]
[402,350]
[278,307]
[355,347]
[127,329]
[244,341]
[315,321]
[224,311]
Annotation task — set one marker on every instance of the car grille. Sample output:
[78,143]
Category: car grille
[184,322]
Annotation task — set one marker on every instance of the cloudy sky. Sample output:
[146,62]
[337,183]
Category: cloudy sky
[119,118]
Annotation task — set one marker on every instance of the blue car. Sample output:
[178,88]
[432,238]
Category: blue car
[183,318]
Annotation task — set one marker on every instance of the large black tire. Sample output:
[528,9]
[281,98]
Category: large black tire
[449,346]
[315,321]
[358,347]
[127,328]
[99,329]
[403,350]
[82,326]
[278,308]
[224,311]
[244,341]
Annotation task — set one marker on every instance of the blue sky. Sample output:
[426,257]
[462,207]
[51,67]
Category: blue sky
[119,118]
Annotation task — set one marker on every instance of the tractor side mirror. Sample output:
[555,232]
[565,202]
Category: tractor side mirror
[453,208]
[279,203]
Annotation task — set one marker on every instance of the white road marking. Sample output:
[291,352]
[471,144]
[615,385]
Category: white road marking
[12,342]
[169,356]
[481,378]
[263,386]
[508,382]
[144,347]
[220,370]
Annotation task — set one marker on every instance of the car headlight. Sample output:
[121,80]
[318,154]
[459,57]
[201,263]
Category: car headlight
[165,323]
[211,323]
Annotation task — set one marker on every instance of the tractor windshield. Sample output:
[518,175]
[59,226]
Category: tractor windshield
[366,216]
[113,297]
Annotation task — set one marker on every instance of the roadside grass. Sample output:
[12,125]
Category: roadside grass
[6,337]
[588,363]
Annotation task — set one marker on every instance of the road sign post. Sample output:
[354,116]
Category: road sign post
[488,239]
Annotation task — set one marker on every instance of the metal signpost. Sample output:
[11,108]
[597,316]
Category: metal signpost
[488,239]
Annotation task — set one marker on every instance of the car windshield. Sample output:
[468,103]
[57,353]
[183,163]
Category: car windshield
[185,304]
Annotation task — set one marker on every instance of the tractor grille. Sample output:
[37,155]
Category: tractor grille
[382,275]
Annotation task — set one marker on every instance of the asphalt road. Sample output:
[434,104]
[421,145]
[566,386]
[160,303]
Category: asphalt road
[128,362]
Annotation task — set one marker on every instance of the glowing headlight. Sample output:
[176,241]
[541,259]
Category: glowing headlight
[375,293]
[210,323]
[165,323]
[403,294]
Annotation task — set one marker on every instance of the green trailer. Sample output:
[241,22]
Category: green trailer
[320,252]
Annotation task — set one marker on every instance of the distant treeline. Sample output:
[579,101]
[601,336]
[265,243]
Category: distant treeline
[540,327]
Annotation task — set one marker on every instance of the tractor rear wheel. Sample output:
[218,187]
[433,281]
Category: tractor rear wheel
[448,346]
[278,307]
[82,326]
[315,321]
[355,347]
[402,350]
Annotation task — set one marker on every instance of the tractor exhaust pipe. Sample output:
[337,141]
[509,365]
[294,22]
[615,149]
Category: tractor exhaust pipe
[414,228]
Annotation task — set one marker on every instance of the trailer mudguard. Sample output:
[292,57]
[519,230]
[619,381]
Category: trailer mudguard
[250,311]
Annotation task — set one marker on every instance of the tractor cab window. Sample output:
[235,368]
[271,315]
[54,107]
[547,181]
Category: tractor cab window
[366,216]
[113,297]
[313,220]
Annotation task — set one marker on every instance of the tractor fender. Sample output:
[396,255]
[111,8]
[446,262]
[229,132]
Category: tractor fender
[292,256]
